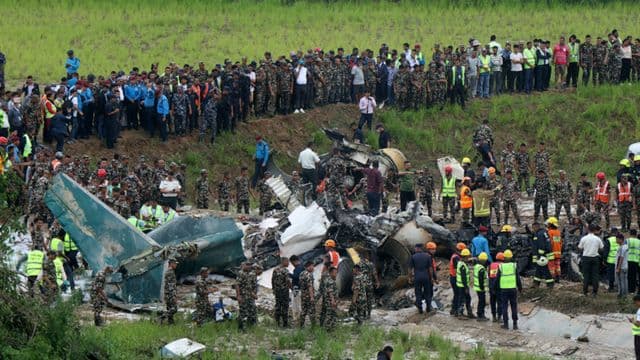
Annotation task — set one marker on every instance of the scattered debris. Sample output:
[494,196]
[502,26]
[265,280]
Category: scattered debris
[181,348]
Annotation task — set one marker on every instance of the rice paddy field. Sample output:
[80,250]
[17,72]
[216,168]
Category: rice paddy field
[120,34]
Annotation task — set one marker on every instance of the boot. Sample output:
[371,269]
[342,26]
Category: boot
[505,326]
[515,325]
[494,319]
[558,279]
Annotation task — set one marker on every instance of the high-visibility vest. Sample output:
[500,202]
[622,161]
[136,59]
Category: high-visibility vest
[137,223]
[624,192]
[493,269]
[555,238]
[602,194]
[477,269]
[462,264]
[34,262]
[28,147]
[59,270]
[169,216]
[508,276]
[448,187]
[48,114]
[530,55]
[613,250]
[452,266]
[334,257]
[69,244]
[466,201]
[481,203]
[486,64]
[635,330]
[420,58]
[56,245]
[634,249]
[574,52]
[454,71]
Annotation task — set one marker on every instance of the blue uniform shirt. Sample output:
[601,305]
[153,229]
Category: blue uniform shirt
[131,92]
[480,244]
[74,64]
[163,106]
[262,151]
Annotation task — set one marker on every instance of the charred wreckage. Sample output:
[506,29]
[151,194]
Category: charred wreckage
[299,227]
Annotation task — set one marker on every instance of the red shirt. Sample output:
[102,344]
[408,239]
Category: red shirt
[560,54]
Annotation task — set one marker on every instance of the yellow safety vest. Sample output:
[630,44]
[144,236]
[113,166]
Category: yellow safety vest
[56,245]
[169,216]
[530,55]
[59,270]
[635,330]
[69,244]
[454,70]
[613,250]
[27,146]
[486,64]
[48,114]
[477,268]
[34,262]
[448,187]
[508,276]
[459,282]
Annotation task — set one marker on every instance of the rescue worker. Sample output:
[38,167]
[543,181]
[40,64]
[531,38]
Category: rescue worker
[541,256]
[634,257]
[330,248]
[71,255]
[453,266]
[481,284]
[610,251]
[625,202]
[448,194]
[421,269]
[98,296]
[35,258]
[466,200]
[602,197]
[494,290]
[463,281]
[507,281]
[555,238]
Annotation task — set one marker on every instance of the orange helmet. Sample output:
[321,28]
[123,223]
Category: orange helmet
[431,245]
[330,243]
[492,170]
[500,256]
[461,246]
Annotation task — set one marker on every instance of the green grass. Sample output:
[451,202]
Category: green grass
[119,34]
[143,339]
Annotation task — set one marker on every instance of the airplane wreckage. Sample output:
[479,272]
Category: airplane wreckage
[200,238]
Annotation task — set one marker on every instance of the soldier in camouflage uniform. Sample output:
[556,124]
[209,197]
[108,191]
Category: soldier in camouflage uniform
[265,193]
[400,88]
[586,59]
[281,283]
[426,187]
[295,186]
[330,300]
[210,116]
[242,191]
[37,197]
[522,161]
[600,71]
[371,277]
[98,296]
[170,291]
[510,194]
[203,288]
[493,184]
[562,195]
[635,60]
[320,83]
[614,64]
[370,77]
[246,293]
[49,279]
[285,88]
[344,79]
[390,188]
[202,190]
[32,116]
[542,189]
[542,160]
[508,158]
[584,197]
[201,73]
[324,275]
[133,187]
[636,200]
[591,217]
[272,88]
[360,191]
[307,295]
[359,298]
[260,92]
[224,192]
[37,233]
[417,87]
[82,170]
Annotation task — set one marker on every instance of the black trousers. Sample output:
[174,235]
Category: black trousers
[405,198]
[636,346]
[625,72]
[111,132]
[509,297]
[590,273]
[257,172]
[309,177]
[456,300]
[633,276]
[494,301]
[59,137]
[365,119]
[457,94]
[423,290]
[300,96]
[482,302]
[132,114]
[611,275]
[572,74]
[373,200]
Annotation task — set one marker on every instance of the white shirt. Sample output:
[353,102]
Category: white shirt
[308,159]
[74,102]
[626,52]
[301,78]
[172,186]
[367,104]
[252,77]
[516,57]
[590,244]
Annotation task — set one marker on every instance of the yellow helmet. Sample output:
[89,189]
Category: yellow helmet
[465,252]
[466,160]
[636,157]
[483,256]
[626,162]
[508,254]
[506,228]
[552,221]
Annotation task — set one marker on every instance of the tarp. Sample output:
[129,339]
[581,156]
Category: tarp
[308,228]
[458,171]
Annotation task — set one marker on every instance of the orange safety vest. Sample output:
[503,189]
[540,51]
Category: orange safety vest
[452,266]
[555,238]
[624,193]
[55,163]
[493,269]
[196,90]
[466,201]
[602,193]
[334,257]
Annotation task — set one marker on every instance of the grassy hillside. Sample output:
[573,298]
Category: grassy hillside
[119,34]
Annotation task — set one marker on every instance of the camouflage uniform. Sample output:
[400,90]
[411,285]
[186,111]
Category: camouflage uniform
[260,92]
[319,83]
[202,193]
[331,84]
[401,89]
[203,307]
[542,188]
[370,79]
[483,133]
[31,117]
[329,294]
[510,194]
[390,185]
[50,286]
[248,285]
[133,192]
[583,200]
[272,89]
[368,271]
[285,81]
[541,161]
[308,302]
[265,196]
[344,76]
[426,186]
[320,296]
[586,60]
[614,65]
[224,194]
[635,63]
[360,301]
[599,67]
[509,160]
[494,203]
[562,197]
[522,159]
[281,283]
[37,198]
[98,299]
[591,217]
[242,194]
[209,119]
[170,294]
[360,192]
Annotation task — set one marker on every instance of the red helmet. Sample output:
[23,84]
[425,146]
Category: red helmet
[448,169]
[3,140]
[102,172]
[600,175]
